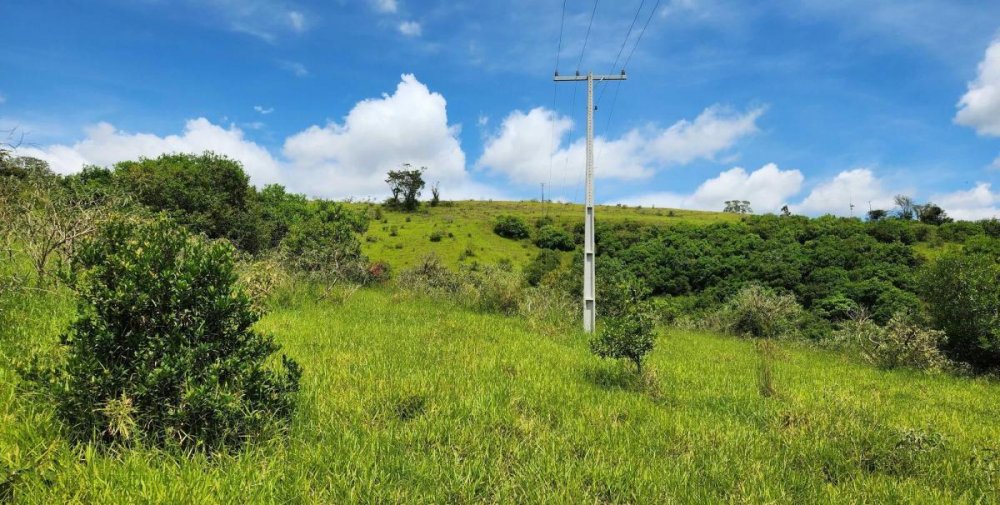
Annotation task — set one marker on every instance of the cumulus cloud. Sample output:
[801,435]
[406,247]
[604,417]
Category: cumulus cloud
[526,145]
[979,202]
[347,159]
[767,189]
[859,186]
[410,28]
[352,157]
[105,145]
[979,108]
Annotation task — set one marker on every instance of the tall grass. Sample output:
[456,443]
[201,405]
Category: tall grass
[408,398]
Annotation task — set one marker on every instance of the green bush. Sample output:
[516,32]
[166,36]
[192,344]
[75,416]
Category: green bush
[545,261]
[208,193]
[494,289]
[756,311]
[553,237]
[431,277]
[903,342]
[512,227]
[326,243]
[436,235]
[163,349]
[963,299]
[628,331]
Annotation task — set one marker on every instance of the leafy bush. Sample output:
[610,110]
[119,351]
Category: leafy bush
[326,243]
[626,337]
[494,289]
[430,276]
[903,342]
[628,331]
[512,227]
[553,237]
[963,300]
[162,349]
[436,235]
[545,261]
[756,311]
[208,193]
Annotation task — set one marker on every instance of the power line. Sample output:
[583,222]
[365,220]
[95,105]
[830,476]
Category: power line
[587,37]
[638,40]
[614,66]
[555,88]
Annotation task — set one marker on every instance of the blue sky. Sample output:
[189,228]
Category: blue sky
[810,103]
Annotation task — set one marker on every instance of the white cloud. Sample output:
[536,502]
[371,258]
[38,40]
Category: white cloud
[714,130]
[351,158]
[410,28]
[979,202]
[297,21]
[859,186]
[105,146]
[527,145]
[336,160]
[294,67]
[979,108]
[385,6]
[767,189]
[263,110]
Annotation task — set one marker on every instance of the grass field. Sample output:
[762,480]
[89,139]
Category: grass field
[414,400]
[467,227]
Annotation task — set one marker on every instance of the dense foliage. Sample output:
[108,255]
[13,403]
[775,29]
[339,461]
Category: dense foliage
[554,237]
[406,185]
[512,227]
[162,349]
[962,290]
[326,242]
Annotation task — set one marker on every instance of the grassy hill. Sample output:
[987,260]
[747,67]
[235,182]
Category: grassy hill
[403,239]
[413,400]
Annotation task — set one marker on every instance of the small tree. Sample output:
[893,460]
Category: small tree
[907,207]
[406,184]
[628,331]
[785,212]
[932,214]
[738,207]
[163,348]
[435,194]
[877,214]
[554,237]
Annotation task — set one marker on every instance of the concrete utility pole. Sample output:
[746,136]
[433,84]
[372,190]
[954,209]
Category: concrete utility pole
[589,285]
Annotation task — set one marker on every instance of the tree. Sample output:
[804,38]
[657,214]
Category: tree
[907,207]
[877,214]
[738,207]
[435,194]
[785,212]
[510,226]
[628,331]
[208,193]
[930,213]
[163,349]
[406,183]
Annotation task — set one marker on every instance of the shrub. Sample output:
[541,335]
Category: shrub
[208,193]
[627,337]
[628,331]
[162,349]
[545,262]
[512,227]
[903,342]
[552,237]
[436,235]
[963,300]
[494,289]
[326,244]
[430,276]
[756,311]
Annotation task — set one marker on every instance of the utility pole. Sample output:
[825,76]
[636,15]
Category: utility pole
[543,194]
[589,284]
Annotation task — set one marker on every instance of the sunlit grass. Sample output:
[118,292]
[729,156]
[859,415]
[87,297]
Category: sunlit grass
[415,400]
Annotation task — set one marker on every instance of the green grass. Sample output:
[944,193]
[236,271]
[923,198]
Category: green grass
[468,226]
[414,400]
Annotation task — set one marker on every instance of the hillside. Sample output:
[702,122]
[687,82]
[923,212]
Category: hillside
[413,400]
[468,227]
